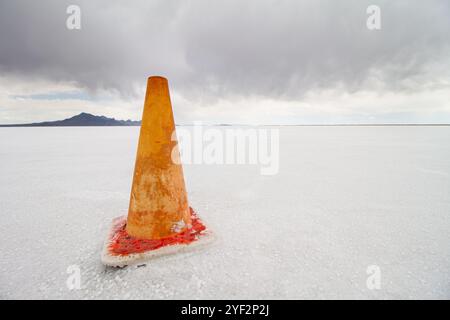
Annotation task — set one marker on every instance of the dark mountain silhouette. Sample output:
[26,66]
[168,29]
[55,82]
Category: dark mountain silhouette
[81,120]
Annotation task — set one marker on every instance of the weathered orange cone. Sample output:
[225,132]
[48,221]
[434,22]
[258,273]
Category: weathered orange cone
[160,220]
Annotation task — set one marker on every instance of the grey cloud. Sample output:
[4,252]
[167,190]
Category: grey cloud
[229,48]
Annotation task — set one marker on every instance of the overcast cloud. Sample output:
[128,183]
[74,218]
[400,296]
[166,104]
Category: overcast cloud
[229,61]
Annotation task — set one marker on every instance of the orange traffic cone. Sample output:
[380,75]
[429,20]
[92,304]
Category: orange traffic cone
[160,220]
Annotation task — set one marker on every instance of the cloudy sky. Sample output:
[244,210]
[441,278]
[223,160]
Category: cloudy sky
[251,61]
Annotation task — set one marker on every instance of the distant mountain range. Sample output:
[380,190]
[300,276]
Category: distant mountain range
[81,120]
[89,120]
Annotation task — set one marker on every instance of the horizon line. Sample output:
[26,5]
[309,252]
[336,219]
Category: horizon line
[29,125]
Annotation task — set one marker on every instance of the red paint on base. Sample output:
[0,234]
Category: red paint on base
[121,243]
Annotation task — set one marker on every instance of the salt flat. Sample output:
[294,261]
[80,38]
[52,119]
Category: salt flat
[344,198]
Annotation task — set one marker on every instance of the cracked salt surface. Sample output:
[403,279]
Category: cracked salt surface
[345,198]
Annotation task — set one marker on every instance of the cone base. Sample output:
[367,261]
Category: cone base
[121,249]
